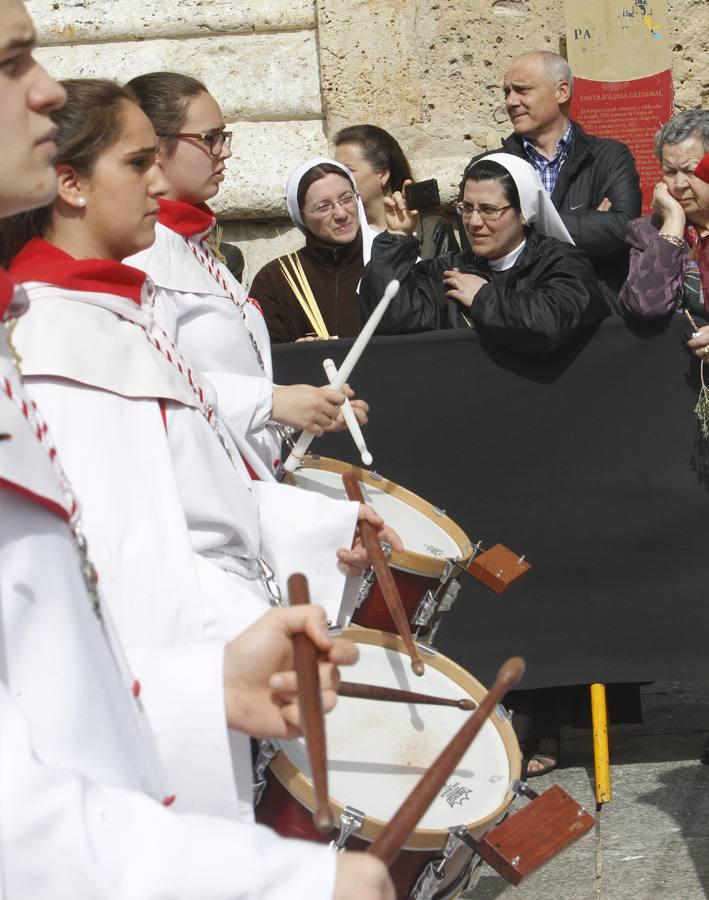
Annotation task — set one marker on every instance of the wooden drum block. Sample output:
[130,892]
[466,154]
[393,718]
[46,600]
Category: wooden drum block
[498,567]
[530,837]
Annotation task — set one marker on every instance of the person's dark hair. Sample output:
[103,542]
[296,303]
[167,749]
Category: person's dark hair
[315,174]
[489,170]
[380,150]
[164,98]
[89,124]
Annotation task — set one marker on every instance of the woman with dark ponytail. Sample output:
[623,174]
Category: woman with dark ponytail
[380,168]
[199,302]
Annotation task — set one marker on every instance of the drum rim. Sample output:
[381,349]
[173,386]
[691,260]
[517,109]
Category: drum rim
[300,787]
[409,560]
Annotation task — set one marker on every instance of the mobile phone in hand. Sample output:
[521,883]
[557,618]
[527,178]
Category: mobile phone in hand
[422,194]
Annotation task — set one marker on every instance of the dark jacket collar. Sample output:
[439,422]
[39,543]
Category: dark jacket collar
[325,254]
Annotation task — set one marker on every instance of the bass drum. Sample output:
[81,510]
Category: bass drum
[424,573]
[377,752]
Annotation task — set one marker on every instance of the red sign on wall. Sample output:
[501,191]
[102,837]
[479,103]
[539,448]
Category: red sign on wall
[629,111]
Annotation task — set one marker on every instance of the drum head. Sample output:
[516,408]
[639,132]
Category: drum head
[429,536]
[377,751]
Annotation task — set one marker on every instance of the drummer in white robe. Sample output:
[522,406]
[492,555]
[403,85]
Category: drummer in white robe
[77,764]
[184,539]
[200,304]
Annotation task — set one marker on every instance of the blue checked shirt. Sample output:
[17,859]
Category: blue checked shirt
[549,169]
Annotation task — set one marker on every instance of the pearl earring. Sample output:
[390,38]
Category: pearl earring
[81,201]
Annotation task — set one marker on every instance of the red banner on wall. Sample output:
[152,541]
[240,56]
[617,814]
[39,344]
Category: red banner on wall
[629,111]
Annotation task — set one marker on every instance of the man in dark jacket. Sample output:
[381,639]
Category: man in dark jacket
[592,181]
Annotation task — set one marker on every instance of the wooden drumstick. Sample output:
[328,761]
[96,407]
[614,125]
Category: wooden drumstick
[310,700]
[376,692]
[405,819]
[384,576]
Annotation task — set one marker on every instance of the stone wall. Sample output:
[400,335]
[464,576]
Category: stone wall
[289,73]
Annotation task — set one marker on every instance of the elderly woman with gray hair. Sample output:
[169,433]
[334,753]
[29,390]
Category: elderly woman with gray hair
[669,257]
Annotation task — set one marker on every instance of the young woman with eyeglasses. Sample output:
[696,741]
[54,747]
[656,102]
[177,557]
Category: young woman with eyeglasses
[523,284]
[199,302]
[324,204]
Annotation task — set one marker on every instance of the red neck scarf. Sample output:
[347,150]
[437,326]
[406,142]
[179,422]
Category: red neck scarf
[185,218]
[41,261]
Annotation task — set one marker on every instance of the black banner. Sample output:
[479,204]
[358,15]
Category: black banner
[590,464]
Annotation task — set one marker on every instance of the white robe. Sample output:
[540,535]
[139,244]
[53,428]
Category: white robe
[77,764]
[175,528]
[201,318]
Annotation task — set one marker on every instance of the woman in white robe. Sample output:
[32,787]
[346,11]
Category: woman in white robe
[183,537]
[200,304]
[77,766]
[82,790]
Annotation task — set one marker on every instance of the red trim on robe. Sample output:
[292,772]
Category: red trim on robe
[186,218]
[53,507]
[163,412]
[41,261]
[253,475]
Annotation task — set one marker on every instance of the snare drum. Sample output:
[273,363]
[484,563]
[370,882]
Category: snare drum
[424,573]
[377,752]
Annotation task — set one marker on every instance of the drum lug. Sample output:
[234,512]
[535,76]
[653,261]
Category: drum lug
[365,587]
[522,789]
[266,752]
[425,610]
[449,595]
[503,714]
[429,881]
[351,820]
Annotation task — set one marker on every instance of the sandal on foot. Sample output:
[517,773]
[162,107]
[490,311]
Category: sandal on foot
[546,753]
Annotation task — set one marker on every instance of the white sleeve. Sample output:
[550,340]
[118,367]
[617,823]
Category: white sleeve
[138,540]
[301,531]
[245,400]
[182,691]
[64,837]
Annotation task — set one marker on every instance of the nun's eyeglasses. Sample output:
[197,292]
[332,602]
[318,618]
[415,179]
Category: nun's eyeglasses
[487,212]
[347,201]
[215,140]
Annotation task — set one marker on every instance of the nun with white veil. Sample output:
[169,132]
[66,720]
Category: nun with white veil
[313,292]
[523,283]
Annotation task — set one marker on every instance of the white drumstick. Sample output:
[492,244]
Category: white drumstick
[356,350]
[349,416]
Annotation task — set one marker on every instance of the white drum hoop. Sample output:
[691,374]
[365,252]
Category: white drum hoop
[291,767]
[444,529]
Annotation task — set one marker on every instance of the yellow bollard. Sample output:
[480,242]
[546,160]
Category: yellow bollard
[601,755]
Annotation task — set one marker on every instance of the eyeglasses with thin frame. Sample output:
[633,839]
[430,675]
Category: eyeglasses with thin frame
[347,201]
[214,140]
[487,212]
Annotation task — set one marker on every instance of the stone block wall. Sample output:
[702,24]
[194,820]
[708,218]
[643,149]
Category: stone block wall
[289,73]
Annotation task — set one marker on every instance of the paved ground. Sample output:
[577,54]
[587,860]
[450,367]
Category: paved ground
[652,839]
